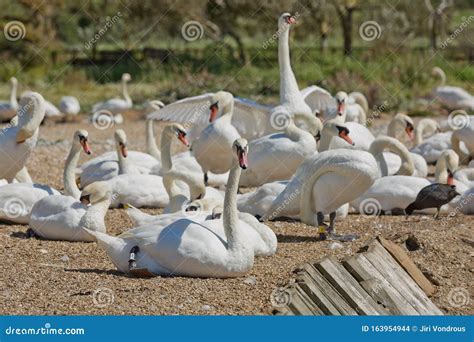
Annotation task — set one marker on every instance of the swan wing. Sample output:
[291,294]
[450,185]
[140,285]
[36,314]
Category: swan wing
[319,99]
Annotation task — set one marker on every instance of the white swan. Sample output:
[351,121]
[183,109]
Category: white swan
[65,218]
[393,194]
[122,161]
[212,148]
[449,96]
[464,135]
[17,199]
[69,106]
[51,110]
[189,247]
[251,120]
[146,190]
[324,183]
[277,156]
[425,128]
[8,109]
[17,141]
[116,105]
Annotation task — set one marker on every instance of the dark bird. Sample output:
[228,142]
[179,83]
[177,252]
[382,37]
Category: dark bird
[433,196]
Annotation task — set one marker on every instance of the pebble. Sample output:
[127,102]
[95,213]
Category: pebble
[44,251]
[64,258]
[250,280]
[335,245]
[206,307]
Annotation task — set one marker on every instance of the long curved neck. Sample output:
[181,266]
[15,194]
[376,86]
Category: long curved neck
[441,173]
[393,127]
[93,219]
[123,163]
[325,141]
[166,161]
[30,116]
[13,101]
[230,213]
[294,132]
[456,146]
[442,77]
[69,176]
[125,93]
[228,110]
[151,147]
[421,128]
[288,85]
[393,145]
[362,116]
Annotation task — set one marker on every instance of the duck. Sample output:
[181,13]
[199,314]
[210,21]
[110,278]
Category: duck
[8,108]
[65,218]
[17,141]
[392,194]
[116,106]
[277,156]
[110,164]
[449,96]
[193,249]
[433,196]
[18,199]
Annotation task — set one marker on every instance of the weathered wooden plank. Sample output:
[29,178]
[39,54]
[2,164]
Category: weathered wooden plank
[349,288]
[315,310]
[297,304]
[377,248]
[408,265]
[325,295]
[390,298]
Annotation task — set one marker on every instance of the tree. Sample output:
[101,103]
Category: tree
[436,22]
[345,10]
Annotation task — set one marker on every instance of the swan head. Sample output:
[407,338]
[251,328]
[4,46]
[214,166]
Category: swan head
[13,81]
[153,106]
[121,142]
[81,139]
[341,100]
[286,20]
[452,164]
[126,77]
[30,113]
[219,100]
[95,193]
[241,150]
[333,129]
[177,130]
[406,122]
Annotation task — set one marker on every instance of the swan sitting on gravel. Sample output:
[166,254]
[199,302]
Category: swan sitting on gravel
[8,109]
[193,249]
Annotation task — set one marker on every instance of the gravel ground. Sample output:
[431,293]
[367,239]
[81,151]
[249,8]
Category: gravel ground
[63,278]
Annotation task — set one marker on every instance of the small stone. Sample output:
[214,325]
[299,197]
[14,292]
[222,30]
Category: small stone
[64,258]
[44,251]
[335,245]
[206,307]
[250,280]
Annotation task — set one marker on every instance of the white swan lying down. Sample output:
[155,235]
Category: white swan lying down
[190,247]
[17,199]
[65,218]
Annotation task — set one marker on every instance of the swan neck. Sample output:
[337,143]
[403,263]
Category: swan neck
[125,93]
[30,116]
[93,219]
[288,85]
[13,100]
[228,110]
[123,163]
[441,174]
[393,128]
[325,141]
[456,146]
[151,147]
[293,132]
[166,161]
[69,177]
[230,213]
[442,77]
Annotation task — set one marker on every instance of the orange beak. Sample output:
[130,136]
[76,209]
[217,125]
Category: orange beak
[340,108]
[450,178]
[243,161]
[291,20]
[214,111]
[183,139]
[85,146]
[346,137]
[124,151]
[409,131]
